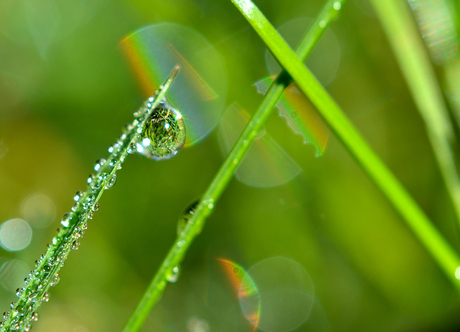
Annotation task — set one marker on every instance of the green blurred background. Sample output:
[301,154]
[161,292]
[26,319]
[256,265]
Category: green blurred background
[66,91]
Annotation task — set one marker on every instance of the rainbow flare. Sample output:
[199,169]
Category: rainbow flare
[245,290]
[199,90]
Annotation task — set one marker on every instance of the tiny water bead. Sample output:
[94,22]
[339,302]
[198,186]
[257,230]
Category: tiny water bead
[99,164]
[164,133]
[174,275]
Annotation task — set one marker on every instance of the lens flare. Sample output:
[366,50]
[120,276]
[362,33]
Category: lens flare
[324,59]
[245,290]
[199,91]
[266,164]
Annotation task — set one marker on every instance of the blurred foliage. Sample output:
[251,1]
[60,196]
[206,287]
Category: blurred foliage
[66,91]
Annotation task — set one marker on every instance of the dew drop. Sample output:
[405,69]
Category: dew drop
[174,275]
[6,315]
[99,164]
[337,5]
[66,218]
[34,316]
[186,216]
[111,182]
[209,203]
[45,297]
[95,207]
[180,244]
[27,327]
[164,133]
[91,179]
[55,280]
[19,292]
[75,245]
[322,24]
[78,195]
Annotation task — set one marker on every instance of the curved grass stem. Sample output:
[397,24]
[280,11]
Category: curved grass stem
[225,173]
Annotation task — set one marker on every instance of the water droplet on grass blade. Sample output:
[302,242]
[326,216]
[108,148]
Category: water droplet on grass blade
[164,133]
[66,218]
[199,91]
[174,275]
[111,182]
[185,217]
[99,164]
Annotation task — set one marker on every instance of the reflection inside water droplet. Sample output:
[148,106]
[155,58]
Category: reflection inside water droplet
[164,133]
[186,215]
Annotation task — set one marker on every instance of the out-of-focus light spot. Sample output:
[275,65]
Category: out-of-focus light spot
[286,294]
[12,274]
[15,234]
[195,324]
[323,61]
[266,164]
[39,210]
[457,273]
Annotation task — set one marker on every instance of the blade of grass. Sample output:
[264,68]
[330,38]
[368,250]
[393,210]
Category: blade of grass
[415,218]
[225,173]
[402,32]
[75,223]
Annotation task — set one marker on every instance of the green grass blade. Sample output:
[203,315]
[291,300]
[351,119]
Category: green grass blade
[405,39]
[225,173]
[428,235]
[45,275]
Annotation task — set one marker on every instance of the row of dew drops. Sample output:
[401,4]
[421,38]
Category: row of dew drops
[37,283]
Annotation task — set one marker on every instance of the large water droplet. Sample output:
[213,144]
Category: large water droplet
[164,133]
[185,216]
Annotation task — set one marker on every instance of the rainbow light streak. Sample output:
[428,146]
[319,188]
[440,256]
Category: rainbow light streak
[300,115]
[245,290]
[199,91]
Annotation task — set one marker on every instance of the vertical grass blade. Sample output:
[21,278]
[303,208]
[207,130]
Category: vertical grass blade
[225,173]
[414,61]
[404,204]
